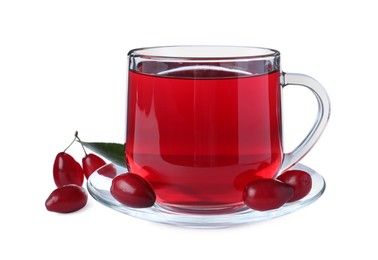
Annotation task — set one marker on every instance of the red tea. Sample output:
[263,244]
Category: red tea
[199,136]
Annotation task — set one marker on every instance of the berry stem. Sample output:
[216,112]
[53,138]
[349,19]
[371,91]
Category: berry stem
[71,143]
[77,137]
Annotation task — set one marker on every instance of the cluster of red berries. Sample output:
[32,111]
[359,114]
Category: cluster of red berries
[69,177]
[268,194]
[129,189]
[134,191]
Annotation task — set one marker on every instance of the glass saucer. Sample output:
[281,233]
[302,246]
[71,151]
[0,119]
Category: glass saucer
[100,181]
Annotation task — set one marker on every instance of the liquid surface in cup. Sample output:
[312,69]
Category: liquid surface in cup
[199,136]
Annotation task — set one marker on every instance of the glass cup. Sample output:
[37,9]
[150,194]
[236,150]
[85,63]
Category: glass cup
[204,121]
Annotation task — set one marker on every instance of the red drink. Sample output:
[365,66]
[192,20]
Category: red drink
[199,136]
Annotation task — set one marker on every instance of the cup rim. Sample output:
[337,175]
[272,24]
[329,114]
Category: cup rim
[203,52]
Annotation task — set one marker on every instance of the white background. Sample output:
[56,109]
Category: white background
[63,68]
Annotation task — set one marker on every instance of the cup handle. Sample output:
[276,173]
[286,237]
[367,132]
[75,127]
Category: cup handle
[324,110]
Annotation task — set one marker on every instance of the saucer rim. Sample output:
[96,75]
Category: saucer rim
[100,192]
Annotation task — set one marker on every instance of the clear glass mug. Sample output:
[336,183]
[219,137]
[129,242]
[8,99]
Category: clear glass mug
[204,121]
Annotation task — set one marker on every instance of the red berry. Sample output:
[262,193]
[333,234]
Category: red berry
[67,171]
[267,194]
[133,191]
[300,181]
[109,171]
[68,198]
[91,162]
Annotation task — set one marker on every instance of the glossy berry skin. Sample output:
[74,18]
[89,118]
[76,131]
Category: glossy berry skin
[109,171]
[67,171]
[66,199]
[267,194]
[133,191]
[300,181]
[91,163]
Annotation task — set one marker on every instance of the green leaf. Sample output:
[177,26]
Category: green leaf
[114,152]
